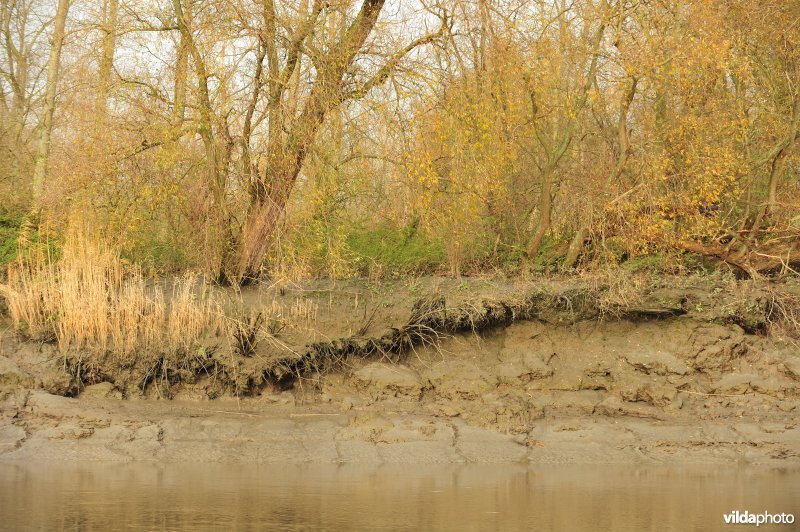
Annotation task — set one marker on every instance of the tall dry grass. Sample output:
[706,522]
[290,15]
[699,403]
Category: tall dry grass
[615,289]
[90,298]
[783,316]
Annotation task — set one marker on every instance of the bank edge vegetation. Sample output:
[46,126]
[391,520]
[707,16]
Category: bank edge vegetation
[246,139]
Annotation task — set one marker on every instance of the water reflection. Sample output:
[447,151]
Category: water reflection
[224,497]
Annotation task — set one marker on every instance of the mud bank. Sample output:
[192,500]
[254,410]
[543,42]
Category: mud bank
[682,374]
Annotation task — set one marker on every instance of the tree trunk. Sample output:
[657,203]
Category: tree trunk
[217,152]
[262,222]
[109,48]
[270,194]
[46,126]
[779,162]
[777,159]
[623,153]
[182,14]
[545,214]
[548,175]
[576,247]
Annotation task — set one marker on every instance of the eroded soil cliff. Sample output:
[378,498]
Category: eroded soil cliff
[468,372]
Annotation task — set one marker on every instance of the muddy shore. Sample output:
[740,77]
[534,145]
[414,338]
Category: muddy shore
[691,375]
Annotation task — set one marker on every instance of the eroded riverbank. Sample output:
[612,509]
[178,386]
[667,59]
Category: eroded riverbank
[694,383]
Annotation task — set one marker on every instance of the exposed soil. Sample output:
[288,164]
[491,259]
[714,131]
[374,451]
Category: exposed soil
[435,370]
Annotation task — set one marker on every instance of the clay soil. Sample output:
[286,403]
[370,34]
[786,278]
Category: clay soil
[684,370]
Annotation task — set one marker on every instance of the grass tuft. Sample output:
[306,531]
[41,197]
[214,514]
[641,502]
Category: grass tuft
[90,298]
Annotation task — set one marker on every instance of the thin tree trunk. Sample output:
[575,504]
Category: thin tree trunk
[17,75]
[548,175]
[217,156]
[779,162]
[249,170]
[109,48]
[46,126]
[777,159]
[262,222]
[576,247]
[545,214]
[181,61]
[624,150]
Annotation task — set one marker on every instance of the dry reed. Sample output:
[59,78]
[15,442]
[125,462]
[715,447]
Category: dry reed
[614,290]
[783,316]
[91,299]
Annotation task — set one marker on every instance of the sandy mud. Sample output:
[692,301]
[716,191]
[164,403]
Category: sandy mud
[683,375]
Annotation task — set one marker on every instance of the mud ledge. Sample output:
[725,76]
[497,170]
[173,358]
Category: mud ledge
[557,376]
[432,319]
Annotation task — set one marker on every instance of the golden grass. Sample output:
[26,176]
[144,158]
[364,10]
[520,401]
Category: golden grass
[615,289]
[783,316]
[91,299]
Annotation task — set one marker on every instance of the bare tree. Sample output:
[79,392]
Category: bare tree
[46,125]
[556,147]
[20,38]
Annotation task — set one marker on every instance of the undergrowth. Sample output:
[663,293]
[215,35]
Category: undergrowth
[783,316]
[404,250]
[9,235]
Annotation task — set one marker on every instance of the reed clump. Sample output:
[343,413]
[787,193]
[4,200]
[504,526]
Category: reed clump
[89,298]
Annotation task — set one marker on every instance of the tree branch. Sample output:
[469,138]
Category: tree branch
[386,70]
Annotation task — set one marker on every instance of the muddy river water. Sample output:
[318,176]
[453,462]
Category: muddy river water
[468,497]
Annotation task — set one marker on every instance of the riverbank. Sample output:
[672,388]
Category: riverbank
[681,371]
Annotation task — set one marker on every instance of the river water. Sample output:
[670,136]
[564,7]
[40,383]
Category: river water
[405,497]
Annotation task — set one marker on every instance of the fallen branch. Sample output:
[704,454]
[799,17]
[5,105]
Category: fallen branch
[779,255]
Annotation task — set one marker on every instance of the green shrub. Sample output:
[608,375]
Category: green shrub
[9,235]
[510,259]
[551,253]
[157,256]
[614,250]
[657,263]
[399,249]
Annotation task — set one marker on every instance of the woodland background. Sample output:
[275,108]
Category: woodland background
[312,138]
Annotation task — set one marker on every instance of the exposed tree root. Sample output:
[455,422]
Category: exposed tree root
[240,373]
[431,319]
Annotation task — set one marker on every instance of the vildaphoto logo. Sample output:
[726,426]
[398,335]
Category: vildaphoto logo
[764,518]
